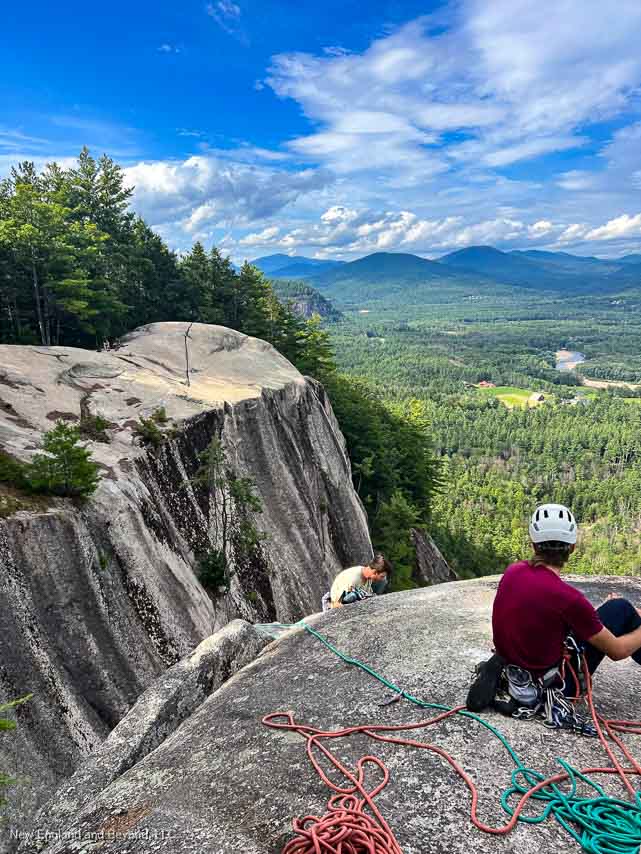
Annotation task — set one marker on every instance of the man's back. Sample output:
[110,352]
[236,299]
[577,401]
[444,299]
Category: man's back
[533,612]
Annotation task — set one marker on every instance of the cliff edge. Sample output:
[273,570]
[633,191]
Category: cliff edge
[223,783]
[99,597]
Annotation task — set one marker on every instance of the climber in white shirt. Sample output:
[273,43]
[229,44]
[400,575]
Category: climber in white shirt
[359,582]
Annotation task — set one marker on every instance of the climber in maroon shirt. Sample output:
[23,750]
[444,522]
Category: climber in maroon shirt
[535,610]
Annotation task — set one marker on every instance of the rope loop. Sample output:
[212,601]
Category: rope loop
[600,824]
[344,829]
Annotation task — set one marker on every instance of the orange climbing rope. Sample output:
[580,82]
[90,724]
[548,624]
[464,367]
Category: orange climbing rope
[347,829]
[343,823]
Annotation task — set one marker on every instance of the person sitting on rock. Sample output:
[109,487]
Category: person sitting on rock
[535,610]
[358,582]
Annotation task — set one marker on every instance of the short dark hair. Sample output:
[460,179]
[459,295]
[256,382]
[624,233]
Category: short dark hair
[552,551]
[379,563]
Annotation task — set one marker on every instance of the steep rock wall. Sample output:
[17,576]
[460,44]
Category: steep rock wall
[223,783]
[98,597]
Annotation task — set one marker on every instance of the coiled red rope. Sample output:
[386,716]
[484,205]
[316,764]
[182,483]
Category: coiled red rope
[347,829]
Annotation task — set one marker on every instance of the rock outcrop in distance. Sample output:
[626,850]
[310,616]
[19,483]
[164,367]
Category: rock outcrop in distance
[430,567]
[224,783]
[99,597]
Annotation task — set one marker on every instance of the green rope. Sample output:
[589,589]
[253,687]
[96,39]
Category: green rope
[601,824]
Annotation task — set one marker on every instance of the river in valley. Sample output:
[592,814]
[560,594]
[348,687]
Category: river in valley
[567,360]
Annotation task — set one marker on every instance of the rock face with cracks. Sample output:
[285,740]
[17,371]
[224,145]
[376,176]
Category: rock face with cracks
[99,597]
[223,782]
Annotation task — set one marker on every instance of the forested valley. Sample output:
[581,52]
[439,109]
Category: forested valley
[401,361]
[501,450]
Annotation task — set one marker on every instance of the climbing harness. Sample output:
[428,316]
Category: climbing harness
[600,824]
[547,699]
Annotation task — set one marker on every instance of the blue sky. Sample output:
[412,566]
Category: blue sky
[343,128]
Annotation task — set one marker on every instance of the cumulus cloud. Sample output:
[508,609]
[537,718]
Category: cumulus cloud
[540,229]
[205,190]
[343,232]
[572,233]
[622,226]
[261,238]
[350,232]
[517,81]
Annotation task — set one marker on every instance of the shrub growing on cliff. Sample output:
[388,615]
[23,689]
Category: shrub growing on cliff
[148,432]
[212,570]
[231,502]
[94,427]
[12,471]
[8,724]
[66,468]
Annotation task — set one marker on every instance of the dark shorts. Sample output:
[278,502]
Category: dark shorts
[621,618]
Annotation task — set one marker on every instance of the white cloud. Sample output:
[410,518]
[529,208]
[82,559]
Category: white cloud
[227,16]
[348,233]
[575,179]
[519,82]
[249,154]
[439,134]
[540,229]
[227,8]
[572,233]
[188,132]
[168,48]
[493,231]
[12,139]
[205,190]
[622,226]
[345,232]
[337,214]
[267,235]
[531,148]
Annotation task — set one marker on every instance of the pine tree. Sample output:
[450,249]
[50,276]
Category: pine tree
[195,298]
[316,356]
[66,468]
[53,252]
[223,289]
[395,519]
[253,294]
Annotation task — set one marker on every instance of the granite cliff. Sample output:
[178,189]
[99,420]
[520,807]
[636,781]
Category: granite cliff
[222,783]
[99,597]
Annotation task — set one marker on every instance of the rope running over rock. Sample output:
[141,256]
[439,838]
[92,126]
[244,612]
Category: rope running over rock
[600,824]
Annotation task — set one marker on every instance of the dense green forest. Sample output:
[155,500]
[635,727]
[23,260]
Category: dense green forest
[78,268]
[581,446]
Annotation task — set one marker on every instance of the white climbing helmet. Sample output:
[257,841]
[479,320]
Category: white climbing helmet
[553,523]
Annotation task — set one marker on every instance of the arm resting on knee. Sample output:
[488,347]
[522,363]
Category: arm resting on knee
[617,648]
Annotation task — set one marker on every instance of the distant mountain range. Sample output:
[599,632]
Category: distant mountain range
[292,266]
[473,272]
[549,270]
[402,278]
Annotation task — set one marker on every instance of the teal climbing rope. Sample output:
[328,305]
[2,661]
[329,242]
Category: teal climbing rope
[600,824]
